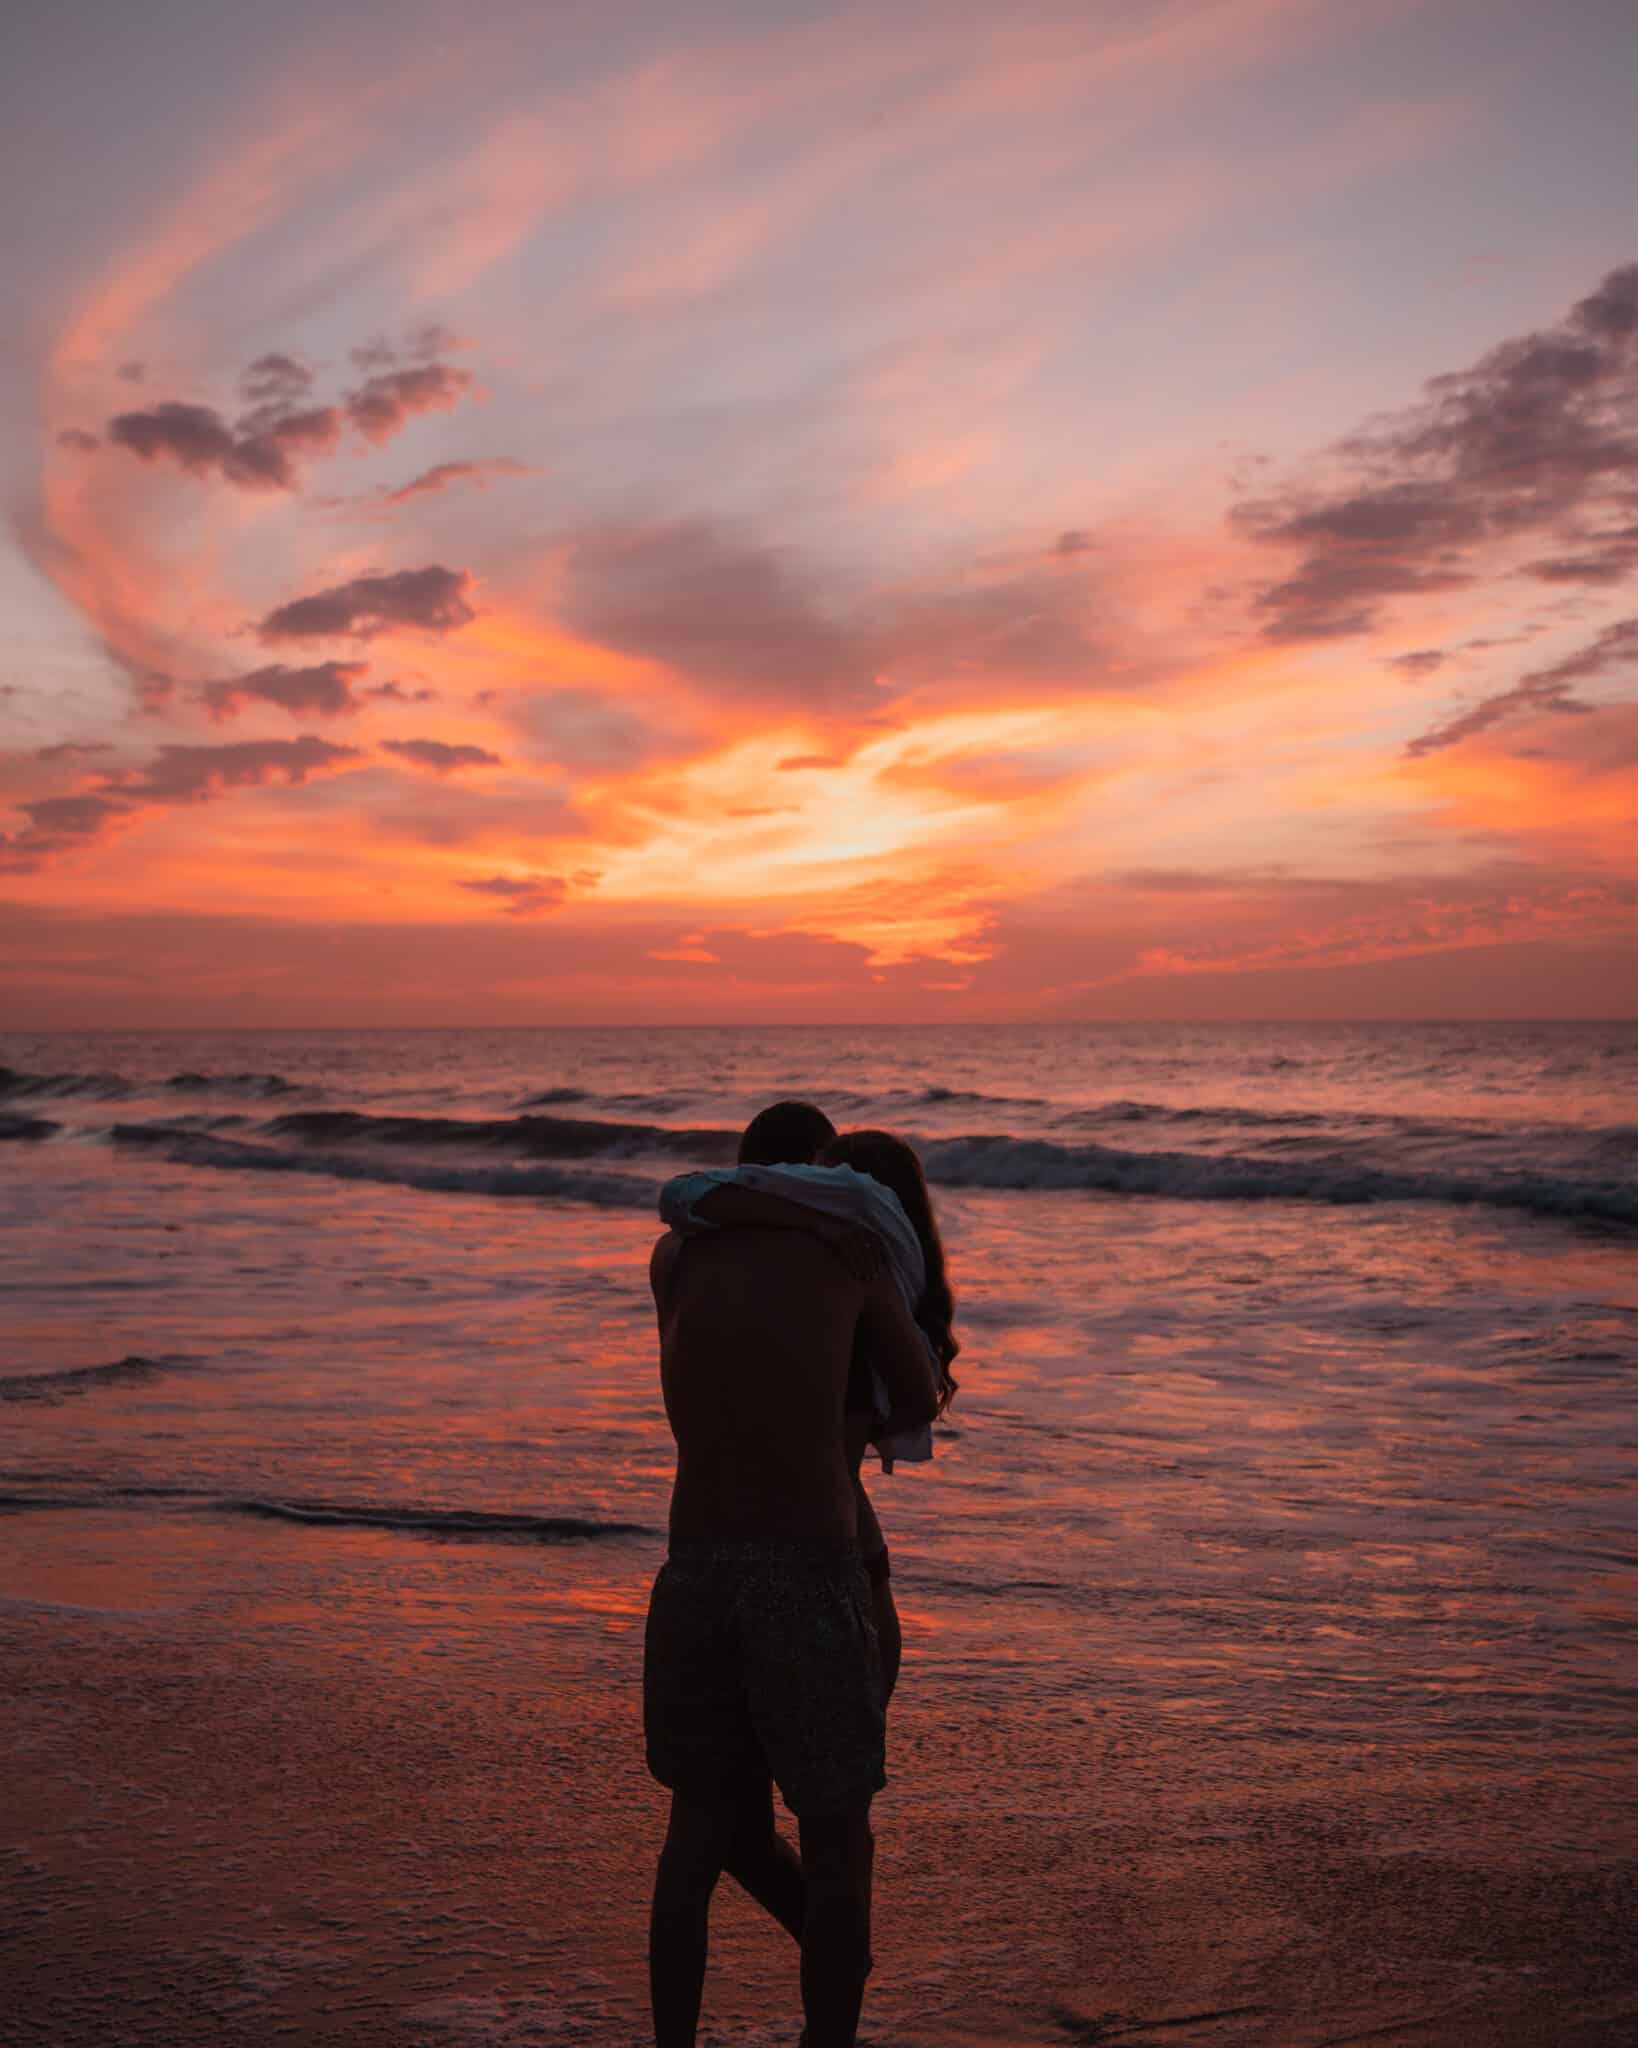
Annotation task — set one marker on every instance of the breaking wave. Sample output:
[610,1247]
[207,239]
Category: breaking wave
[974,1161]
[197,1148]
[1026,1163]
[80,1379]
[16,1086]
[27,1127]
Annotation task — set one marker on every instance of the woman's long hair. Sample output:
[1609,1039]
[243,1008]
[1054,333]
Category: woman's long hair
[894,1163]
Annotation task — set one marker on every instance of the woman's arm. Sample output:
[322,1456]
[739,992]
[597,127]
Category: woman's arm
[834,1204]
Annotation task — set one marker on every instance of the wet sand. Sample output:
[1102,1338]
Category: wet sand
[301,1816]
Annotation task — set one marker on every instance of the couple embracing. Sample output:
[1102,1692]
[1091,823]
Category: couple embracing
[804,1317]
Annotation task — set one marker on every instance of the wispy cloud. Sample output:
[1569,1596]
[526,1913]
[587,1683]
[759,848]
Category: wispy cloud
[1544,689]
[442,474]
[1537,440]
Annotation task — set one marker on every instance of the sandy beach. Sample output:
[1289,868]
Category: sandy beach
[233,1823]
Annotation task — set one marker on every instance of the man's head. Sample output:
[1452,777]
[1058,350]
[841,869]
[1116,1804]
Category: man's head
[785,1134]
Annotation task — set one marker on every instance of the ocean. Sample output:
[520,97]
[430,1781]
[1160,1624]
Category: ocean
[1270,1607]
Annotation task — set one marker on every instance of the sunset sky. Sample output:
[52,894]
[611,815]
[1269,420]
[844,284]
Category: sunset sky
[781,512]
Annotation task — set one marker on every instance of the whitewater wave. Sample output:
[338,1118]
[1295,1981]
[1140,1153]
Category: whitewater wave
[197,1148]
[1036,1163]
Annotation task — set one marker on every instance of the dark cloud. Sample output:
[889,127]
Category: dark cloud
[60,825]
[198,440]
[325,689]
[1534,438]
[78,439]
[593,734]
[522,897]
[1612,563]
[1545,689]
[187,774]
[1029,623]
[456,811]
[439,756]
[730,617]
[373,355]
[386,402]
[395,693]
[797,761]
[262,450]
[1614,648]
[420,344]
[131,373]
[56,825]
[433,599]
[1075,540]
[275,379]
[72,750]
[1421,661]
[443,474]
[749,625]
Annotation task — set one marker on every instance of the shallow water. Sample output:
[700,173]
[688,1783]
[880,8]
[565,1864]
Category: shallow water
[1270,1606]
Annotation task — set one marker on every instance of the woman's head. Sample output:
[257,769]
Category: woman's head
[894,1163]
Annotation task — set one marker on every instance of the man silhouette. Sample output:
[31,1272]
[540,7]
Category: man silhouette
[761,1659]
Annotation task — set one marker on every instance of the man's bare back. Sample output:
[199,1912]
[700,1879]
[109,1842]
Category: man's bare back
[756,1330]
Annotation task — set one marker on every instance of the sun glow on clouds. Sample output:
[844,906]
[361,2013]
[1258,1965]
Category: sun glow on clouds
[730,523]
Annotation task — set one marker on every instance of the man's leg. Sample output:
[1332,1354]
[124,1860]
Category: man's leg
[836,1856]
[765,1864]
[692,1857]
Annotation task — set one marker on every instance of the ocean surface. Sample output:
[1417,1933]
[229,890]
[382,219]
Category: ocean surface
[1271,1606]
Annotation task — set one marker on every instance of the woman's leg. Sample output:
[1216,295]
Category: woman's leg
[767,1866]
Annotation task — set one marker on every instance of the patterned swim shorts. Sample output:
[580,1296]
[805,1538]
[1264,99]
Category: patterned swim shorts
[761,1660]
